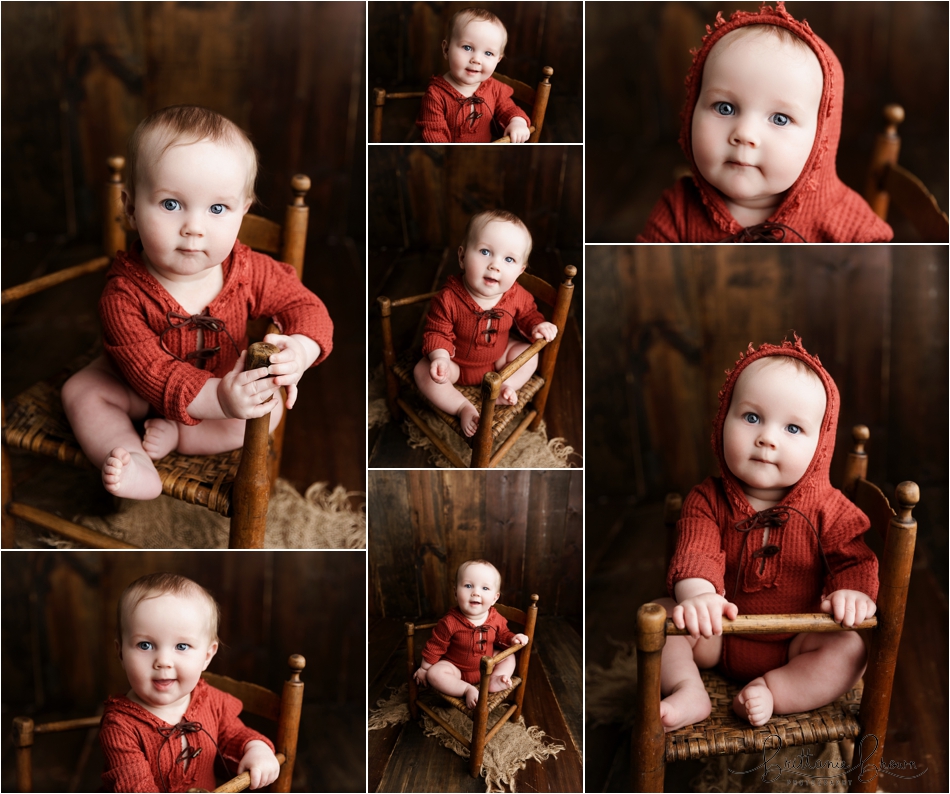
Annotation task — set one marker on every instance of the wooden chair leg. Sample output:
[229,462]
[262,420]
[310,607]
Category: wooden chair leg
[291,703]
[252,483]
[7,538]
[482,442]
[389,357]
[23,744]
[541,104]
[549,355]
[648,751]
[480,720]
[411,670]
[379,101]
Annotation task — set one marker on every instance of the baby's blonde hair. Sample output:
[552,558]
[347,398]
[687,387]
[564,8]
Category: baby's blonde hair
[784,35]
[477,221]
[154,585]
[461,18]
[468,563]
[180,125]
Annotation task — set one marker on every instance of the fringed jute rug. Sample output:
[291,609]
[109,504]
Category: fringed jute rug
[505,755]
[611,699]
[322,518]
[534,450]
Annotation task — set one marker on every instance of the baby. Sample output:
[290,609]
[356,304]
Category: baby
[459,106]
[478,310]
[175,307]
[771,536]
[761,126]
[451,657]
[164,734]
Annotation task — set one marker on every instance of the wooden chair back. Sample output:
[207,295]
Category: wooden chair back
[887,183]
[284,710]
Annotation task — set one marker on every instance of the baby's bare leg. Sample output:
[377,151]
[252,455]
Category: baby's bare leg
[509,389]
[212,436]
[501,677]
[685,699]
[821,668]
[445,677]
[445,396]
[100,407]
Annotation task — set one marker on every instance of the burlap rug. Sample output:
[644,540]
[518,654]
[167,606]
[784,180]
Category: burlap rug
[533,450]
[508,752]
[322,518]
[611,700]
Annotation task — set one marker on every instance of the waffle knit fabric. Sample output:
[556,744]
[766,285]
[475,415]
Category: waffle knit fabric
[448,117]
[456,639]
[710,547]
[475,337]
[134,309]
[818,206]
[137,758]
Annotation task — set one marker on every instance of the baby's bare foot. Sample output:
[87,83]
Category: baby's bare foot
[499,683]
[131,475]
[161,437]
[471,696]
[686,704]
[508,396]
[754,702]
[468,418]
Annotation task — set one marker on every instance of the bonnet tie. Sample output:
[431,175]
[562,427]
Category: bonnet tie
[766,232]
[188,752]
[473,115]
[772,518]
[180,322]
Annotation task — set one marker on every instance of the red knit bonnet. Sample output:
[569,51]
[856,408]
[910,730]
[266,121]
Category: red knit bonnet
[814,176]
[817,473]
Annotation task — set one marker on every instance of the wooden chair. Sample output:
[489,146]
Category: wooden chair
[487,702]
[235,484]
[887,183]
[283,709]
[524,95]
[850,717]
[493,419]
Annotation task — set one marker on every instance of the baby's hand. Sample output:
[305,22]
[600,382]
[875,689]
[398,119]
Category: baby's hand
[291,362]
[518,130]
[520,639]
[545,331]
[260,762]
[702,614]
[421,677]
[849,607]
[246,395]
[439,369]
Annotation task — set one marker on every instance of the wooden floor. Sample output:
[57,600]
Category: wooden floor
[402,759]
[400,274]
[625,561]
[325,437]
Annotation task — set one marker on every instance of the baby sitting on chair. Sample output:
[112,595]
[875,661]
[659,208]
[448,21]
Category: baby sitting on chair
[770,536]
[467,328]
[459,106]
[175,308]
[165,733]
[451,657]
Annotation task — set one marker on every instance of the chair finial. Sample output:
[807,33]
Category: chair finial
[300,184]
[860,435]
[297,663]
[893,115]
[908,495]
[116,165]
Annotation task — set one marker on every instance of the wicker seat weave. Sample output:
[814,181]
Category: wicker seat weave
[493,699]
[504,414]
[724,733]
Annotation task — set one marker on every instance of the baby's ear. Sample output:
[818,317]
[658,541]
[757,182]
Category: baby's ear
[462,257]
[445,48]
[212,650]
[118,649]
[128,207]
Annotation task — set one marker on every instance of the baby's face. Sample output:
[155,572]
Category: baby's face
[188,208]
[477,591]
[166,644]
[755,120]
[772,427]
[493,258]
[473,52]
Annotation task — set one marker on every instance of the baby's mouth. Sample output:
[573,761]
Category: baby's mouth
[163,683]
[490,280]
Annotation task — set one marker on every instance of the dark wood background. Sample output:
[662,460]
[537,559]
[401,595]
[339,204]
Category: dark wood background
[405,50]
[665,322]
[59,621]
[424,524]
[638,56]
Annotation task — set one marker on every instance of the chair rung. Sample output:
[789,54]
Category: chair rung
[777,624]
[88,537]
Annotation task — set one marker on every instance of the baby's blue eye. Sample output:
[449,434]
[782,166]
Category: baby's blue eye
[467,586]
[486,588]
[779,119]
[724,109]
[751,418]
[182,646]
[489,54]
[171,205]
[467,47]
[485,252]
[218,209]
[510,259]
[144,645]
[793,429]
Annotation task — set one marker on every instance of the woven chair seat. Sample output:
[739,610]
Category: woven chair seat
[724,733]
[37,423]
[493,699]
[503,415]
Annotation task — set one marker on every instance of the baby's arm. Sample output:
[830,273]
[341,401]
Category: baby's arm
[700,609]
[519,639]
[517,130]
[432,121]
[544,330]
[421,673]
[260,761]
[849,607]
[439,366]
[296,356]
